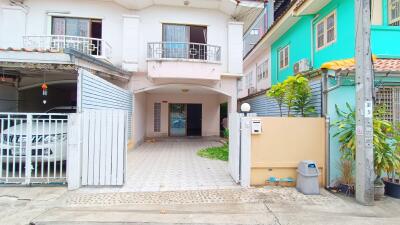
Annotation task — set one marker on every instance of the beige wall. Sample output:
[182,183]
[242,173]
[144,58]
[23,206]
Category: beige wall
[283,143]
[210,111]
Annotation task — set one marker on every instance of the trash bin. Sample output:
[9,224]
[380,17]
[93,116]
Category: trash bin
[307,178]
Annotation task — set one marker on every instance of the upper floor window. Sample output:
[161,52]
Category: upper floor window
[249,79]
[262,70]
[284,57]
[76,27]
[326,31]
[184,41]
[394,12]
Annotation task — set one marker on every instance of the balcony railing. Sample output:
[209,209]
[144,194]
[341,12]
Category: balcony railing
[90,46]
[394,12]
[183,50]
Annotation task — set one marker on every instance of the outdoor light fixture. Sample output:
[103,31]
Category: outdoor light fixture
[245,108]
[185,90]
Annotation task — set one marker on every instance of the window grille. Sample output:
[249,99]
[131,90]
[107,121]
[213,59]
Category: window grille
[157,117]
[389,98]
[394,12]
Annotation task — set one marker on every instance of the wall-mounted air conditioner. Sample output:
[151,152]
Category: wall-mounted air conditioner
[301,66]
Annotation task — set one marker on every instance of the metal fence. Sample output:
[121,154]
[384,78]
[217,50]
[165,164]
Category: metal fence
[90,46]
[33,148]
[183,50]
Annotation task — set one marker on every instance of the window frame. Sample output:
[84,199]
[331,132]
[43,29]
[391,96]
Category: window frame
[262,70]
[283,50]
[324,21]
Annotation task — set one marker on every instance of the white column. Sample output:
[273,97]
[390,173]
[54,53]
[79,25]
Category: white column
[235,47]
[12,26]
[130,43]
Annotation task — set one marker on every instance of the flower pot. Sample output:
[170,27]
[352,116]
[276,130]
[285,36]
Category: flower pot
[379,191]
[392,189]
[346,189]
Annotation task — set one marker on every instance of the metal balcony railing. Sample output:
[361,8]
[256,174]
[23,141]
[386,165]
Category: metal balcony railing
[90,46]
[183,50]
[394,12]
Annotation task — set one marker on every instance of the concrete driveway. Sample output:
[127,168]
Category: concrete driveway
[172,164]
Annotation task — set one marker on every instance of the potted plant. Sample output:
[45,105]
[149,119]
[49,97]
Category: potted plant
[392,184]
[384,153]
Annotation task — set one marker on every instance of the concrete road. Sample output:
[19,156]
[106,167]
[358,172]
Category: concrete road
[55,206]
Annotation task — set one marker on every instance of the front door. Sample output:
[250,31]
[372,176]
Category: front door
[185,120]
[194,115]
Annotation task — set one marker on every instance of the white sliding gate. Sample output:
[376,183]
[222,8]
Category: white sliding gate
[33,148]
[99,133]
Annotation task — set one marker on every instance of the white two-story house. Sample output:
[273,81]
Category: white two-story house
[178,59]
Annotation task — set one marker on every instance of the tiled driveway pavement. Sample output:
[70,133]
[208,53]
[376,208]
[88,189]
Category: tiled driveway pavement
[169,165]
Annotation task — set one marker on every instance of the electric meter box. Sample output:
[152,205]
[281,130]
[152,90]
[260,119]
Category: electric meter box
[256,126]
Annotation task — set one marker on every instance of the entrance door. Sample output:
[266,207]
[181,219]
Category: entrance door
[194,116]
[177,120]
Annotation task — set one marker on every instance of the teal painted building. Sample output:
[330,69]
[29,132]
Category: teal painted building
[329,35]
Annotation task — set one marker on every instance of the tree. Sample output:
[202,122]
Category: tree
[277,92]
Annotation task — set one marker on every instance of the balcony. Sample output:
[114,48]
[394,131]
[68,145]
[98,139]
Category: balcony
[90,46]
[184,60]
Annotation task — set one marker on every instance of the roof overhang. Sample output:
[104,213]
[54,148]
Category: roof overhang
[70,60]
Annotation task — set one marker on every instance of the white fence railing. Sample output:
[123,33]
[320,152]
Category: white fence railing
[183,50]
[33,148]
[90,46]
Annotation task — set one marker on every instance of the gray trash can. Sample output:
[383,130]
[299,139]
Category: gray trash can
[307,178]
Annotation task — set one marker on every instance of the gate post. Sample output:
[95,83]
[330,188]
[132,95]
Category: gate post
[245,151]
[74,151]
[28,149]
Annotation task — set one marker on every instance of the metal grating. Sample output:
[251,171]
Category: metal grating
[389,98]
[157,117]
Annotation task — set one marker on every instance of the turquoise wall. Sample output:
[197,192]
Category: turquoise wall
[385,41]
[299,40]
[344,46]
[339,97]
[300,34]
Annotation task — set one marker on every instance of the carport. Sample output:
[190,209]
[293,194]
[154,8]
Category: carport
[76,82]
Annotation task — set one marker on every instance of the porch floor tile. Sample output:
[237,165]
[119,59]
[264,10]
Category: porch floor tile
[174,165]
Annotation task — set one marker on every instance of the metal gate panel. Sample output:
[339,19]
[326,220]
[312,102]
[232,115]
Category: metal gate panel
[104,145]
[33,148]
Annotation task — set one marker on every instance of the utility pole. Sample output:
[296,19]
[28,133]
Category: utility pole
[364,112]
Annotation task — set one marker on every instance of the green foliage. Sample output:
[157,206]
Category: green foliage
[277,92]
[226,133]
[295,93]
[386,151]
[219,153]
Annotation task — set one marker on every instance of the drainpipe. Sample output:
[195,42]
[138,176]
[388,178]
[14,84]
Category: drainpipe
[327,125]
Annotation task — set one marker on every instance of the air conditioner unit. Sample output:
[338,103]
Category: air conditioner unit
[301,66]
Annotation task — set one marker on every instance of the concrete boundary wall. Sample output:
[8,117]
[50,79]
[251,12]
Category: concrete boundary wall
[283,143]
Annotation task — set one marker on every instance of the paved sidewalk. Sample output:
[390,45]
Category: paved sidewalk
[270,206]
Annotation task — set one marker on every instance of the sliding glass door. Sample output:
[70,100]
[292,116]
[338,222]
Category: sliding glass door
[177,120]
[175,41]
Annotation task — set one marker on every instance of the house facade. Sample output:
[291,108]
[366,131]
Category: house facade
[179,59]
[315,38]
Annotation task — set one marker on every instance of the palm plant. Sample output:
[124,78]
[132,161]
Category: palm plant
[386,157]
